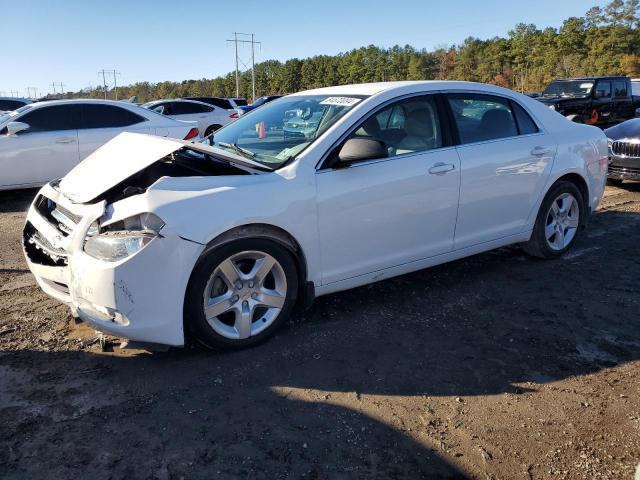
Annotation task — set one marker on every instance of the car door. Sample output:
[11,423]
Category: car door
[623,104]
[102,122]
[603,101]
[505,161]
[47,150]
[384,212]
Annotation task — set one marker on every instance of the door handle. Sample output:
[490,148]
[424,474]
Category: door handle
[66,140]
[539,151]
[440,168]
[203,116]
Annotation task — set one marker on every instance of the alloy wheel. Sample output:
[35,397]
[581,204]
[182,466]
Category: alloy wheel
[245,294]
[563,220]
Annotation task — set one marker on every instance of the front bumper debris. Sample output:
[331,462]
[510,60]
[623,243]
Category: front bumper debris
[139,298]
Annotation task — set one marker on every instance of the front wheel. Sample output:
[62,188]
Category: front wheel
[558,222]
[240,293]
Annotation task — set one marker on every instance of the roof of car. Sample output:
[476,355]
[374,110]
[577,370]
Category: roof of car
[369,89]
[606,77]
[81,100]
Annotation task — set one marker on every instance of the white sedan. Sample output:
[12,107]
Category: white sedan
[209,117]
[42,141]
[217,241]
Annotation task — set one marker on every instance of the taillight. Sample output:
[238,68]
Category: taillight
[234,115]
[193,133]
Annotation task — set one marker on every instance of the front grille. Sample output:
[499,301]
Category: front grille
[61,218]
[626,149]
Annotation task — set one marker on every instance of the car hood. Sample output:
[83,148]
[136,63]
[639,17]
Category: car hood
[625,130]
[559,99]
[126,155]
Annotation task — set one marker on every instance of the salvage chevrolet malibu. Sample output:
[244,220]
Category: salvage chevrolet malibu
[163,241]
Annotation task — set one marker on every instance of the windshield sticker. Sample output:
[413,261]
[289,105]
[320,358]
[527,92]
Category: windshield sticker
[340,101]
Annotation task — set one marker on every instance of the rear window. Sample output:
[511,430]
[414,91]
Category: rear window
[526,125]
[482,117]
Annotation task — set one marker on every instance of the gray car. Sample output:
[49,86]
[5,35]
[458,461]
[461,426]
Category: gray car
[624,151]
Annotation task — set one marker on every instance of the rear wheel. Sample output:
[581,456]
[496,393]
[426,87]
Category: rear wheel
[240,293]
[558,222]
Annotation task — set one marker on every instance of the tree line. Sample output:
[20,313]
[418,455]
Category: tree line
[605,41]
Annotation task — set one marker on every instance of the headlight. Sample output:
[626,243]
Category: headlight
[610,145]
[121,239]
[114,246]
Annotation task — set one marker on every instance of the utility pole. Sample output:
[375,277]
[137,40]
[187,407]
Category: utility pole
[104,73]
[104,82]
[253,75]
[53,85]
[115,84]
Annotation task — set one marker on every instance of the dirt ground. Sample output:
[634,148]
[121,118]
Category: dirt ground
[497,366]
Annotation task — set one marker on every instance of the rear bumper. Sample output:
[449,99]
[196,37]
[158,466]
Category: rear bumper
[139,298]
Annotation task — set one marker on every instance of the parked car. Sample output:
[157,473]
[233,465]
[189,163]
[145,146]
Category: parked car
[226,103]
[257,103]
[216,241]
[624,151]
[592,100]
[44,140]
[8,104]
[215,101]
[208,117]
[237,102]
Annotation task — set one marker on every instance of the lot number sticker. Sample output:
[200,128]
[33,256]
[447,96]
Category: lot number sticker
[340,101]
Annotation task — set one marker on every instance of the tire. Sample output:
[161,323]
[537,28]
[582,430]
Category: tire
[544,243]
[246,320]
[614,182]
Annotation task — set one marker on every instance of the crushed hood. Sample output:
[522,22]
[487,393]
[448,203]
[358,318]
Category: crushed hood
[126,155]
[115,161]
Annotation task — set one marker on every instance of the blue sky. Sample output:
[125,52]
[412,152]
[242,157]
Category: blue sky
[69,41]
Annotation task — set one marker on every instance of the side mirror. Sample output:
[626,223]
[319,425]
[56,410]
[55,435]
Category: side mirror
[358,149]
[15,127]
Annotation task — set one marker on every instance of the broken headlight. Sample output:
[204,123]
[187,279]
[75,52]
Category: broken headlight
[121,239]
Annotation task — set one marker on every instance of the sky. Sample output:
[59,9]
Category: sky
[70,41]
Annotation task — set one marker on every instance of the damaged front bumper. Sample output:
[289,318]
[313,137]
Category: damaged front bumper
[139,298]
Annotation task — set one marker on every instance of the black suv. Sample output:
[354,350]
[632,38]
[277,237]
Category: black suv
[592,100]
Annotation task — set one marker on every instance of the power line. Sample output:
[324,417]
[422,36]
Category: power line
[253,74]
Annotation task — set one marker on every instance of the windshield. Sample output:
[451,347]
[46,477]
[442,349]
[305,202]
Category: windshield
[568,88]
[5,117]
[281,129]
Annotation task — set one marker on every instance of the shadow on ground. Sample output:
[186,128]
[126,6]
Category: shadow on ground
[315,401]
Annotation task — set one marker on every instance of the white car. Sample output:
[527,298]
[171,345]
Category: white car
[42,141]
[209,118]
[217,241]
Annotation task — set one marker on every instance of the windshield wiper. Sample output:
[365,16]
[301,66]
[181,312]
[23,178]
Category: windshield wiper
[238,149]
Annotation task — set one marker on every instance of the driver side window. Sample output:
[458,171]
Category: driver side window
[408,126]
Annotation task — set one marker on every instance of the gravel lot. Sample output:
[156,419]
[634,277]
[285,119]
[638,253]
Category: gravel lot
[497,366]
